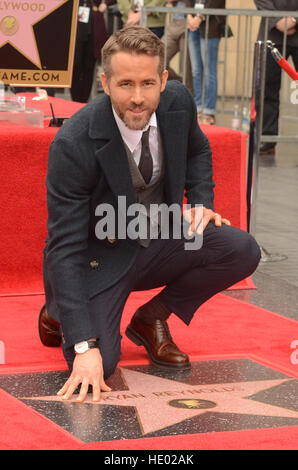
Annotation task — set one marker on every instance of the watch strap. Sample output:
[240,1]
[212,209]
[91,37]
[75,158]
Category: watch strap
[92,344]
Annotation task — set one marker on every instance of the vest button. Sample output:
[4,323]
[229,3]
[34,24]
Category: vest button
[94,264]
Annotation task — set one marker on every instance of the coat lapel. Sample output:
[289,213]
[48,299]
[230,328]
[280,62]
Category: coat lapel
[111,153]
[174,138]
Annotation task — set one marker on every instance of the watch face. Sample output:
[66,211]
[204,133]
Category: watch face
[81,347]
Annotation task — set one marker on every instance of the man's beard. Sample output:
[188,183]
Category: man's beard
[135,123]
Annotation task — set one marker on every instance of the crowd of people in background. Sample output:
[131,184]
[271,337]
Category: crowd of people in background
[93,31]
[198,70]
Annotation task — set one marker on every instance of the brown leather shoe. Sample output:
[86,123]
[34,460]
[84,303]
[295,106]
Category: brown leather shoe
[267,149]
[49,329]
[157,340]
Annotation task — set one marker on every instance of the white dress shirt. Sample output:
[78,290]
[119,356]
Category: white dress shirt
[132,139]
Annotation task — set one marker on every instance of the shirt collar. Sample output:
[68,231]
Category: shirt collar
[130,136]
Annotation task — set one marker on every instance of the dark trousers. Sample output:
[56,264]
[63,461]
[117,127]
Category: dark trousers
[191,277]
[159,30]
[272,90]
[83,70]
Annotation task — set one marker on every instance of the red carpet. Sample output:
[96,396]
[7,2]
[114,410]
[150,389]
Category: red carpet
[223,328]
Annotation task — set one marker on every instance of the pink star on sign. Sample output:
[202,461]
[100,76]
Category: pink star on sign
[16,24]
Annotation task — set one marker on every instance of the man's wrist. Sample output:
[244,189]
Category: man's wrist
[84,346]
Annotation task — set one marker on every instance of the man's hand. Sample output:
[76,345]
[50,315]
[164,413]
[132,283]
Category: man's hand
[133,18]
[102,7]
[193,22]
[199,218]
[210,216]
[286,23]
[87,370]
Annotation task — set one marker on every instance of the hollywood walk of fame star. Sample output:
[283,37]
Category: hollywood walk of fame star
[16,25]
[161,402]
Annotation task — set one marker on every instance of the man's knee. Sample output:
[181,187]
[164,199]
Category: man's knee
[248,250]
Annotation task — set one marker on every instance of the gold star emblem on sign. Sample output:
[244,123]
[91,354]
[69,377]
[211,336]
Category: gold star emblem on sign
[160,402]
[9,25]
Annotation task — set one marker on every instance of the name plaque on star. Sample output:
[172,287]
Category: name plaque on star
[37,42]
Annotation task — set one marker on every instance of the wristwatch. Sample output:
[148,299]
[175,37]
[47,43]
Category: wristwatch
[83,346]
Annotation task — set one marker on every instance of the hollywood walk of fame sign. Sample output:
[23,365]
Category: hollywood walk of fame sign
[221,395]
[37,41]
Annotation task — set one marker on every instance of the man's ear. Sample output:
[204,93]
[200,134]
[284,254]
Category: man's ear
[164,78]
[104,82]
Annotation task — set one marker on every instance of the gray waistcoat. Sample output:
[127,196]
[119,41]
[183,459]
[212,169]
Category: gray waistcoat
[147,194]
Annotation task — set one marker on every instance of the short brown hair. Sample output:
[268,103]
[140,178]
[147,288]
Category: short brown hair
[135,40]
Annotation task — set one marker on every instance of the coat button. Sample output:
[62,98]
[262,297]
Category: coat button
[94,264]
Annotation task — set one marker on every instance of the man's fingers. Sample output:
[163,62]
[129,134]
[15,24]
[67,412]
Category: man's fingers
[217,219]
[83,390]
[193,227]
[63,390]
[194,217]
[198,222]
[73,384]
[105,387]
[206,220]
[199,219]
[95,390]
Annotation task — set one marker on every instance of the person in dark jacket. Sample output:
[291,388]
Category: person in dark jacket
[197,43]
[276,31]
[91,36]
[137,145]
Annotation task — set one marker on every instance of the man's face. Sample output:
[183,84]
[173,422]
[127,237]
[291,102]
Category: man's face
[134,87]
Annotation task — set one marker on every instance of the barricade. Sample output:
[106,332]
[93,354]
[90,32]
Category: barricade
[237,102]
[234,92]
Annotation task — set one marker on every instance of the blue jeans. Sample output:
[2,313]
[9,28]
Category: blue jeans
[197,57]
